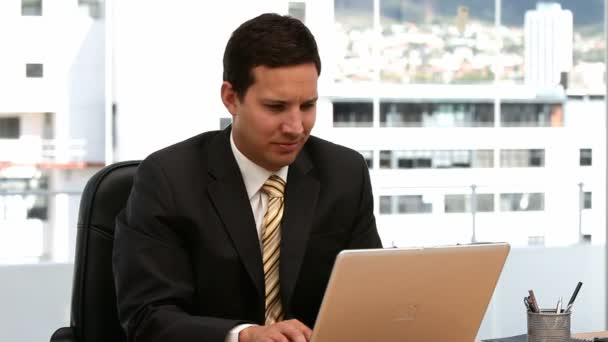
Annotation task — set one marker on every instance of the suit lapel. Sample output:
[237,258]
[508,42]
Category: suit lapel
[229,196]
[300,200]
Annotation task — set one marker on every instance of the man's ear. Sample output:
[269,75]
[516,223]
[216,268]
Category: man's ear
[229,97]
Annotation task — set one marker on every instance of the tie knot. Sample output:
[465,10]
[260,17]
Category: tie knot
[274,186]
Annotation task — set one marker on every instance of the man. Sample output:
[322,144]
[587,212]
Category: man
[231,235]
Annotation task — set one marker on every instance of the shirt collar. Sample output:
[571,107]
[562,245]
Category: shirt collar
[254,176]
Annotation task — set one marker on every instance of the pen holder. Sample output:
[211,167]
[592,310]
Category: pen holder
[548,326]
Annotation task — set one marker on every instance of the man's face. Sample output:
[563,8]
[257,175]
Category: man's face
[273,120]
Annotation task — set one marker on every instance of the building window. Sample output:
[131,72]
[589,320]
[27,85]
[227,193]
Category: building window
[385,159]
[461,203]
[399,114]
[404,204]
[386,204]
[522,158]
[94,7]
[483,158]
[531,114]
[585,157]
[33,70]
[353,114]
[10,128]
[30,206]
[48,131]
[31,7]
[369,158]
[587,200]
[225,122]
[297,9]
[436,159]
[522,202]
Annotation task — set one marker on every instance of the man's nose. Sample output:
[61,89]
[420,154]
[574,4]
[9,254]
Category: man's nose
[293,122]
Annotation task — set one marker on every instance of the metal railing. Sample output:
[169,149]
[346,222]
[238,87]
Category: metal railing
[37,225]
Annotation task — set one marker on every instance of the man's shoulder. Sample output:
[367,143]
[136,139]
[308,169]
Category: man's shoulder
[190,156]
[321,148]
[196,145]
[328,157]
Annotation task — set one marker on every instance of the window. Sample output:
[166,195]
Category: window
[297,9]
[225,122]
[522,158]
[48,131]
[369,158]
[28,206]
[587,200]
[483,158]
[385,204]
[436,159]
[404,204]
[10,128]
[353,114]
[354,24]
[31,7]
[585,158]
[385,159]
[33,70]
[94,7]
[531,115]
[413,204]
[522,202]
[403,114]
[418,47]
[38,204]
[461,203]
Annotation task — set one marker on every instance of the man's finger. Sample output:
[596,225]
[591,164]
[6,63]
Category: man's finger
[306,331]
[294,330]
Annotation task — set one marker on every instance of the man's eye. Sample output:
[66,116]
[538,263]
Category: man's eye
[275,107]
[307,106]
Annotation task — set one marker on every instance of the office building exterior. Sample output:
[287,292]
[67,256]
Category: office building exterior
[450,163]
[548,44]
[52,122]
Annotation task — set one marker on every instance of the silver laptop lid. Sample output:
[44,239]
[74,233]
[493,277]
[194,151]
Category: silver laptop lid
[413,294]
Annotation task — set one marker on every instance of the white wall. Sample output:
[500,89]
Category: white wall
[35,301]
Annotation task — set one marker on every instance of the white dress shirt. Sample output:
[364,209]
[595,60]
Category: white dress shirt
[254,177]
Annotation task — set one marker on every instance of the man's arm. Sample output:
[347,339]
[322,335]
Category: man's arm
[365,233]
[152,269]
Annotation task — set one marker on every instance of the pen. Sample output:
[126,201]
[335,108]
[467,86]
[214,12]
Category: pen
[571,302]
[527,303]
[533,302]
[558,308]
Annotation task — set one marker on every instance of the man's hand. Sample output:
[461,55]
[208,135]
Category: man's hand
[285,331]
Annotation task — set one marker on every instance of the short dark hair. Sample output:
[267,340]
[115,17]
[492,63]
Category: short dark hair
[270,40]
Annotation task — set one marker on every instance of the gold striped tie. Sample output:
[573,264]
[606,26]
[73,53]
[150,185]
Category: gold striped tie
[271,240]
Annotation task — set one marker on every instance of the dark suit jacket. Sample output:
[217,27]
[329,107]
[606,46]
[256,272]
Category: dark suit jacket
[187,260]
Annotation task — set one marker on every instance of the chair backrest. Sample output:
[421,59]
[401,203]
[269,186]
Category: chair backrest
[94,315]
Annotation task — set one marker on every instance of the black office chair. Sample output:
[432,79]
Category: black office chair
[93,315]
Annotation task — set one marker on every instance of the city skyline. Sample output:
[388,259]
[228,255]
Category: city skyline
[437,52]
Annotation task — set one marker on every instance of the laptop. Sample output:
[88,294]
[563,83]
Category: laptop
[409,294]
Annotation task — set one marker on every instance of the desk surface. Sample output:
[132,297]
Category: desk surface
[591,335]
[585,336]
